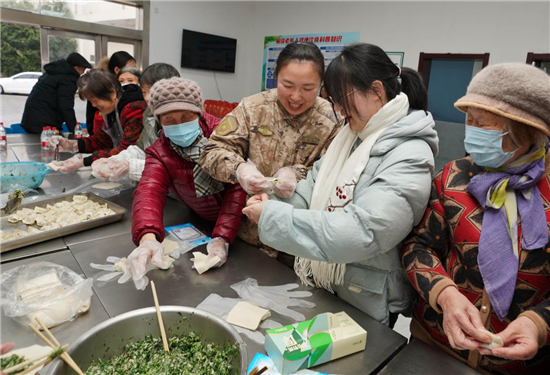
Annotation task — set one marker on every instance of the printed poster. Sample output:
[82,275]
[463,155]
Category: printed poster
[330,44]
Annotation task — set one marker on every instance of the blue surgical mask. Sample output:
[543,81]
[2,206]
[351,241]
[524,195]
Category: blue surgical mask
[183,134]
[485,147]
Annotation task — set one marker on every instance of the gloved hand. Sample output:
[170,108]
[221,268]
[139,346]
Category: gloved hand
[276,298]
[218,247]
[146,257]
[70,165]
[221,307]
[64,143]
[118,268]
[286,184]
[251,180]
[110,169]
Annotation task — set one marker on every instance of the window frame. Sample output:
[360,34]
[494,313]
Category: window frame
[425,61]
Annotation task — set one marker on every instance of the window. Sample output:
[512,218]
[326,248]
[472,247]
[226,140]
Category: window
[540,60]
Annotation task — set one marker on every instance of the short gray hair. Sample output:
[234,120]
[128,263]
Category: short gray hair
[522,134]
[130,69]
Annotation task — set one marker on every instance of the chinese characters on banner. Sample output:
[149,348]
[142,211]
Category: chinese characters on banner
[330,45]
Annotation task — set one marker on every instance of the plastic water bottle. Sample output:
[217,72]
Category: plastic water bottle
[78,131]
[44,138]
[3,139]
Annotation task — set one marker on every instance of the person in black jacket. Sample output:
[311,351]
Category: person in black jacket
[51,101]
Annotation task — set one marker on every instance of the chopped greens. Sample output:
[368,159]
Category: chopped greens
[188,355]
[11,361]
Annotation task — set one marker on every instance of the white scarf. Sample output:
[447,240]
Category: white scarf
[337,179]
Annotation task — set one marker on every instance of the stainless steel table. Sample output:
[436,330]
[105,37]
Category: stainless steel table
[23,139]
[46,247]
[420,358]
[183,286]
[7,155]
[66,332]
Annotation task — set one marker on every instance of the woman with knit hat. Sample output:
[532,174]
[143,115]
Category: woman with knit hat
[480,258]
[171,164]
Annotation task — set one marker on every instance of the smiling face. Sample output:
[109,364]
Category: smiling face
[128,77]
[297,86]
[104,106]
[177,117]
[362,105]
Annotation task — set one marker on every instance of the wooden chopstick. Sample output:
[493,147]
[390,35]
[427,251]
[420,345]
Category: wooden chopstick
[42,360]
[159,317]
[65,356]
[264,369]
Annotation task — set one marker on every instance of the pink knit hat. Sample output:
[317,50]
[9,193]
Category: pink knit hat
[517,91]
[175,94]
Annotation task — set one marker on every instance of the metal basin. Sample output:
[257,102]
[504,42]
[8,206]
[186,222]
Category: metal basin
[109,338]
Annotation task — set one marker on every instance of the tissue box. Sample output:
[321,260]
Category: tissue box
[324,338]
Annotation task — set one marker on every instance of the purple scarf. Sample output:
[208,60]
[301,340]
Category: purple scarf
[497,262]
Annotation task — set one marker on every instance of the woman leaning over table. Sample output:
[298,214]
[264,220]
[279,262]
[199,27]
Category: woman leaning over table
[120,122]
[480,258]
[347,219]
[282,131]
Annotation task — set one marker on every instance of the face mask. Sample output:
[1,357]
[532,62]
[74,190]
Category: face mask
[183,134]
[485,147]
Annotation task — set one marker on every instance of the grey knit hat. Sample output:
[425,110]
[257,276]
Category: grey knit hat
[175,94]
[517,91]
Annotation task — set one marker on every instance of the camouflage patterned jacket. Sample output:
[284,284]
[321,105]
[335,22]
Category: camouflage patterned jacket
[261,129]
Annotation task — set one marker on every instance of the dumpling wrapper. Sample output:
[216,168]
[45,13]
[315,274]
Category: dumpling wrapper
[496,340]
[79,199]
[54,166]
[202,263]
[247,315]
[169,246]
[106,185]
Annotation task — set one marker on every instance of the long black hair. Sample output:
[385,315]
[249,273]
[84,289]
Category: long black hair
[301,51]
[119,60]
[359,65]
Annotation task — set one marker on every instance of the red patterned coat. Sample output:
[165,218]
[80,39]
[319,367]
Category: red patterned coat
[166,170]
[442,251]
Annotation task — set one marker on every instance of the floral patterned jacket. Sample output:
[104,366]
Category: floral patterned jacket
[442,251]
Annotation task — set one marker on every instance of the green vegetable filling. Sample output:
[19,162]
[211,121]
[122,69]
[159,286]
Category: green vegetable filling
[187,356]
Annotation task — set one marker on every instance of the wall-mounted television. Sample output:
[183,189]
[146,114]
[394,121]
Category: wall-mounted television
[208,52]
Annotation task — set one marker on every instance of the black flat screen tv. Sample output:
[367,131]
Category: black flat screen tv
[208,52]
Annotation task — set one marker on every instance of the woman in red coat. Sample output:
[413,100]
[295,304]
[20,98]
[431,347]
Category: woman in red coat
[171,164]
[117,124]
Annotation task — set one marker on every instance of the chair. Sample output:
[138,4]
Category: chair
[8,130]
[17,129]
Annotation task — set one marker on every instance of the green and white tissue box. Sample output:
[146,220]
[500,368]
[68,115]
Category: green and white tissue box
[324,338]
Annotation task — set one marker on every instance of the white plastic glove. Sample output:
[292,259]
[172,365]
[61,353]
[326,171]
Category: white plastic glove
[217,255]
[118,268]
[146,257]
[277,298]
[64,143]
[221,307]
[70,165]
[285,182]
[110,169]
[251,180]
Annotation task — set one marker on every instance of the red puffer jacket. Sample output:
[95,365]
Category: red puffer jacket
[166,170]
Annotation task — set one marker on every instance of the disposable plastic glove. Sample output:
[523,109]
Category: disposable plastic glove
[218,247]
[70,165]
[118,268]
[148,256]
[110,169]
[277,298]
[251,180]
[286,182]
[221,307]
[64,143]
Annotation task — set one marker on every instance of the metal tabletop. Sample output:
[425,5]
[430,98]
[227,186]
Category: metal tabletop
[7,155]
[183,286]
[23,139]
[420,358]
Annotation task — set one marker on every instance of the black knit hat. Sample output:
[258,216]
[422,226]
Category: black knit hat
[76,59]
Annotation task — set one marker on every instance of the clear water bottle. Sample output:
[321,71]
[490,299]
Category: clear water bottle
[44,138]
[78,131]
[3,139]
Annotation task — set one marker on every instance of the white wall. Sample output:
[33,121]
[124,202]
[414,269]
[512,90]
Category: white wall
[507,30]
[230,19]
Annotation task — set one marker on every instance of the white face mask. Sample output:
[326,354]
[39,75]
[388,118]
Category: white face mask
[485,147]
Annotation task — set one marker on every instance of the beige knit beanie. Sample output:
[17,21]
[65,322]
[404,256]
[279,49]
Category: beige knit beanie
[517,91]
[175,94]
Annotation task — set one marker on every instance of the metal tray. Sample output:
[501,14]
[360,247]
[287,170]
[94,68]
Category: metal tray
[54,233]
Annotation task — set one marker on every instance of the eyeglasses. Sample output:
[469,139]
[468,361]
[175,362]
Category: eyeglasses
[333,103]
